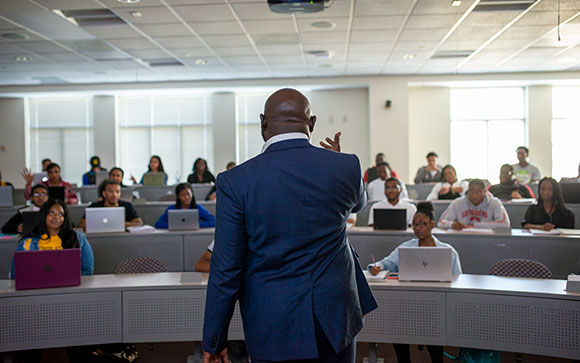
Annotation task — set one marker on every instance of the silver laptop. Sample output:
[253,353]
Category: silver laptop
[425,264]
[153,179]
[183,219]
[40,177]
[105,220]
[6,197]
[101,176]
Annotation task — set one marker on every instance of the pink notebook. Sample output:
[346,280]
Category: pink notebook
[42,269]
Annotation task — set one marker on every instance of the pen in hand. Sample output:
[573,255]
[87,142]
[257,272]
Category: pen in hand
[374,261]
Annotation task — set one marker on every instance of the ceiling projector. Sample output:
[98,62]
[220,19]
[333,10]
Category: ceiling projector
[297,6]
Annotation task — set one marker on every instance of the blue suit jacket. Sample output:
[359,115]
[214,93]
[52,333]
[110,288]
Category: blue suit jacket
[281,248]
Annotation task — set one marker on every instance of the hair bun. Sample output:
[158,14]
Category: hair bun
[425,206]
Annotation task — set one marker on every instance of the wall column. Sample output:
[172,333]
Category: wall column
[224,129]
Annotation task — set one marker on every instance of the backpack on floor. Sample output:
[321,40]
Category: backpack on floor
[473,355]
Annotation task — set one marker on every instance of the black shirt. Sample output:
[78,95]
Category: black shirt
[130,211]
[207,178]
[561,218]
[504,191]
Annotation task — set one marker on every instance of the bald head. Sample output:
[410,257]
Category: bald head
[286,110]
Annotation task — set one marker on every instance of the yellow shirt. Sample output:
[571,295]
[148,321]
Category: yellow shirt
[45,243]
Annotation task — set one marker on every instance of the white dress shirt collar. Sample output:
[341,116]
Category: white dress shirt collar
[283,137]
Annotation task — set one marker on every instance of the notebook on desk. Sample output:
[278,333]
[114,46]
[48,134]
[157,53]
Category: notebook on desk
[6,197]
[105,220]
[390,219]
[183,220]
[425,264]
[43,269]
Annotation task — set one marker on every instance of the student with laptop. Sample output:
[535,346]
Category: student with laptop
[185,200]
[54,180]
[201,173]
[550,212]
[39,197]
[155,166]
[509,188]
[89,178]
[450,187]
[55,232]
[392,191]
[376,188]
[477,209]
[112,198]
[117,174]
[423,224]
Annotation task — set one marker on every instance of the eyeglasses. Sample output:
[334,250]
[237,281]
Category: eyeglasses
[39,194]
[55,214]
[419,225]
[393,188]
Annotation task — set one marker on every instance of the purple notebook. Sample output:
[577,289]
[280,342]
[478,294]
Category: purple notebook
[42,269]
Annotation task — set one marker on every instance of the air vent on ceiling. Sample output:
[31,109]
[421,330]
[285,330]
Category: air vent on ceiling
[503,5]
[442,54]
[163,62]
[91,17]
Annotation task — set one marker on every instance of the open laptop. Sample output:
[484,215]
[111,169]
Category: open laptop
[425,264]
[101,176]
[30,220]
[42,269]
[40,177]
[571,192]
[56,193]
[183,219]
[105,220]
[150,179]
[6,196]
[390,219]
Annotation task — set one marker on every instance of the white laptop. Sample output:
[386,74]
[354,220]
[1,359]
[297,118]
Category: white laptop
[6,197]
[39,178]
[105,220]
[183,219]
[425,264]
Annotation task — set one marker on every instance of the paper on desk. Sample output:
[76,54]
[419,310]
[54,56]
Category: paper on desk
[541,231]
[380,276]
[569,231]
[523,200]
[472,230]
[141,229]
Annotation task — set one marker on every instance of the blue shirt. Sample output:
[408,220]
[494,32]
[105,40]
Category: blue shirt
[206,219]
[391,262]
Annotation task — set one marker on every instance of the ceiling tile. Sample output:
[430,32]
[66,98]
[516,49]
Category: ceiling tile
[199,13]
[226,40]
[378,22]
[269,26]
[217,28]
[179,42]
[149,15]
[165,30]
[382,7]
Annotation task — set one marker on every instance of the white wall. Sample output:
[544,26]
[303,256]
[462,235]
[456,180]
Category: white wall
[429,127]
[224,129]
[540,127]
[12,149]
[346,111]
[104,129]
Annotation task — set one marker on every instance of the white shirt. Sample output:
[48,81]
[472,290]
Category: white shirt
[376,190]
[283,137]
[434,195]
[383,204]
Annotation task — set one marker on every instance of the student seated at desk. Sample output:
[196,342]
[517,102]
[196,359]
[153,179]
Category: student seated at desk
[186,200]
[524,171]
[551,211]
[476,209]
[509,188]
[155,166]
[112,198]
[201,173]
[392,191]
[430,173]
[376,188]
[54,180]
[423,224]
[39,197]
[89,177]
[55,232]
[450,187]
[117,174]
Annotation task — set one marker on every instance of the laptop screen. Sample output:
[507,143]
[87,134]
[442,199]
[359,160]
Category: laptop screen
[390,219]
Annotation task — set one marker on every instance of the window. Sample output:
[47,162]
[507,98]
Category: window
[565,131]
[249,106]
[61,130]
[177,128]
[487,125]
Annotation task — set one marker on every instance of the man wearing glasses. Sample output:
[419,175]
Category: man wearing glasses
[39,197]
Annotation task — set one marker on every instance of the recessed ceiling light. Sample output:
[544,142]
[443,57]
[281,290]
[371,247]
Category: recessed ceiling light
[409,56]
[136,14]
[456,3]
[14,36]
[129,1]
[323,24]
[21,58]
[201,62]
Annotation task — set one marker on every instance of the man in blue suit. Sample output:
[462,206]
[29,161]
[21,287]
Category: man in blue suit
[281,246]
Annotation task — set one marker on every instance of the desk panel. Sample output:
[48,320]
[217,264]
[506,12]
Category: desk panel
[7,248]
[110,249]
[517,324]
[406,317]
[45,321]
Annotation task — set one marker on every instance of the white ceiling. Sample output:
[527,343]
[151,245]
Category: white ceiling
[243,39]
